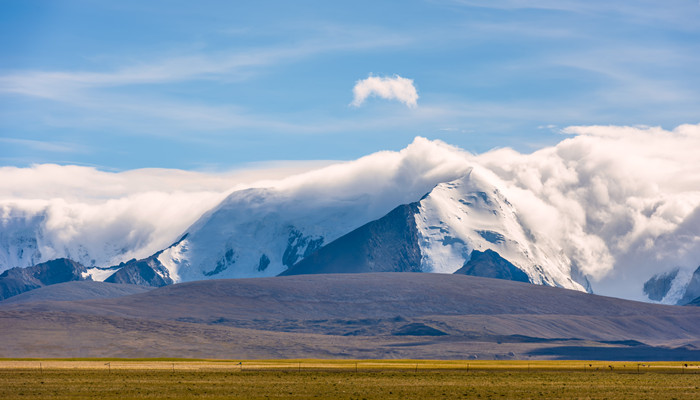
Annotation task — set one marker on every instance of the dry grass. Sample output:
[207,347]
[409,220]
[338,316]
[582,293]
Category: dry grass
[344,379]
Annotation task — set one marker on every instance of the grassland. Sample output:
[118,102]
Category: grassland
[344,379]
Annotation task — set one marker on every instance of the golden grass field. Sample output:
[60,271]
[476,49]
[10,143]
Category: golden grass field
[345,379]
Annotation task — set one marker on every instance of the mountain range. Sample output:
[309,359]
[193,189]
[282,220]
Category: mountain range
[262,232]
[436,216]
[463,224]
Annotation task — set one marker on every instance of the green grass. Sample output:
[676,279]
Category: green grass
[337,379]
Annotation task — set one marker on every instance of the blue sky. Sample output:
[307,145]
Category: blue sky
[219,85]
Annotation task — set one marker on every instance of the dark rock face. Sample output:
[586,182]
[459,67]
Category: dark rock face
[298,243]
[491,236]
[490,264]
[389,244]
[692,291]
[264,262]
[19,280]
[695,302]
[658,286]
[145,272]
[228,259]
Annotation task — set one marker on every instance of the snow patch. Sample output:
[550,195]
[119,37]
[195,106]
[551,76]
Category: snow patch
[174,258]
[469,214]
[678,287]
[98,274]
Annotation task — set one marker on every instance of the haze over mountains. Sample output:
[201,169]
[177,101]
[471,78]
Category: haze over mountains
[575,215]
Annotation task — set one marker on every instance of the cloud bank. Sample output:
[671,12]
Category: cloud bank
[623,203]
[389,88]
[103,218]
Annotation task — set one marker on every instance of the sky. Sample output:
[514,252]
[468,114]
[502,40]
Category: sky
[220,86]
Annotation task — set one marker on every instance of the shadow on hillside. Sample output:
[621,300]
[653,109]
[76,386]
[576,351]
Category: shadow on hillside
[637,353]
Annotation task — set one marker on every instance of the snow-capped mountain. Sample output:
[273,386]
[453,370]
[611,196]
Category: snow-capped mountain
[489,264]
[20,238]
[261,232]
[267,232]
[29,237]
[389,244]
[469,214]
[440,233]
[19,280]
[674,287]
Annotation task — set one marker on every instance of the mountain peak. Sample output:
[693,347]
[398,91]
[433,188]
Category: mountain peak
[19,280]
[470,214]
[268,232]
[489,264]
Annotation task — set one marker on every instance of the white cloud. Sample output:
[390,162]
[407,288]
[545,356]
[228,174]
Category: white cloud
[86,214]
[111,217]
[389,88]
[620,200]
[92,91]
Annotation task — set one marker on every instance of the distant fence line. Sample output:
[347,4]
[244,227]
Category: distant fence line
[358,366]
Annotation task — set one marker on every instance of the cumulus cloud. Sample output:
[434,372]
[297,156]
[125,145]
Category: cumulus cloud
[622,203]
[389,88]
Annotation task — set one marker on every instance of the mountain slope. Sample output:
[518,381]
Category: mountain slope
[674,287]
[258,233]
[490,264]
[695,302]
[658,286]
[457,223]
[31,237]
[19,280]
[267,232]
[380,295]
[469,214]
[692,290]
[264,232]
[145,272]
[76,290]
[20,238]
[388,244]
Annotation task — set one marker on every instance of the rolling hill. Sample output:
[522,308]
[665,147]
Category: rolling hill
[378,315]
